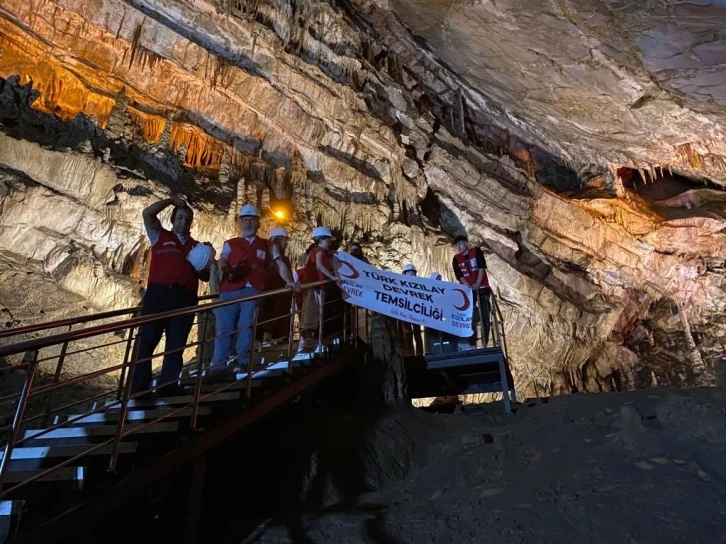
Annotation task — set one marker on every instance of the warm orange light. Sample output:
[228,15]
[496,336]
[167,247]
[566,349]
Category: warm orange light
[279,214]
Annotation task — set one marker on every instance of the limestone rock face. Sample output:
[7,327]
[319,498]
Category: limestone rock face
[581,143]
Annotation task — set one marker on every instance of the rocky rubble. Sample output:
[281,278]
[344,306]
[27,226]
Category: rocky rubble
[343,111]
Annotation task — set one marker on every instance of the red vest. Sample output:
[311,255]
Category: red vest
[469,267]
[257,257]
[169,265]
[311,272]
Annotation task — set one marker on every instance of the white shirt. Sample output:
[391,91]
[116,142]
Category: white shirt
[154,234]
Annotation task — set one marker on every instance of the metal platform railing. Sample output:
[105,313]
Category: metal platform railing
[50,390]
[434,342]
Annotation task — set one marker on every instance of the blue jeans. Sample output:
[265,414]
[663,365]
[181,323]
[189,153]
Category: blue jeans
[234,321]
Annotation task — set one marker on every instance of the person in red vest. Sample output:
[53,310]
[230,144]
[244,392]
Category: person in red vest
[243,264]
[173,284]
[470,269]
[319,267]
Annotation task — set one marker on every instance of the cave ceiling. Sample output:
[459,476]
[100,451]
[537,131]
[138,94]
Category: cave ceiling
[638,84]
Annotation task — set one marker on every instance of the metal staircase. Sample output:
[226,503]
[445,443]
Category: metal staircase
[71,452]
[78,444]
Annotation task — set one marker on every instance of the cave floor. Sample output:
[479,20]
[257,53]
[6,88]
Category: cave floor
[643,466]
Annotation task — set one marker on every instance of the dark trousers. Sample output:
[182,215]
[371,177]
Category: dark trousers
[485,303]
[158,299]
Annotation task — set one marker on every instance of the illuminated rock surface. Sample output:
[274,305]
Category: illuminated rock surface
[581,142]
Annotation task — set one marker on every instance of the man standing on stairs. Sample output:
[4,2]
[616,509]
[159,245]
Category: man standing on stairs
[470,269]
[173,284]
[243,264]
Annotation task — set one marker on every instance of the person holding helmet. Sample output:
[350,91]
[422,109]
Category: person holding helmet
[318,267]
[470,269]
[243,265]
[178,262]
[276,308]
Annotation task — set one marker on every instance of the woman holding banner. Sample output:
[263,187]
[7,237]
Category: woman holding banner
[319,267]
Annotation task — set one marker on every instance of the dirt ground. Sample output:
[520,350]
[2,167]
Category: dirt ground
[638,467]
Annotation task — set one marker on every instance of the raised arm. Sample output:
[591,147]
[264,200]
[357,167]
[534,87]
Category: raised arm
[151,212]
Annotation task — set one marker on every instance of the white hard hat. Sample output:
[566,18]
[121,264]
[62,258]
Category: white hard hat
[201,256]
[322,231]
[278,231]
[409,268]
[435,276]
[249,210]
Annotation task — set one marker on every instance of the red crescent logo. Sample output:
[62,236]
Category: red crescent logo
[353,272]
[466,304]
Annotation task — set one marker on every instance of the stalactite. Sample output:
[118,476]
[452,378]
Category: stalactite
[201,150]
[258,170]
[150,126]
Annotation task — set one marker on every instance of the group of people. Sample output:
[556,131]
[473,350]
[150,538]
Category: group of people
[248,265]
[469,268]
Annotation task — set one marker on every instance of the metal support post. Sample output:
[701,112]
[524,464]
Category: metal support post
[18,418]
[124,409]
[291,332]
[252,344]
[200,369]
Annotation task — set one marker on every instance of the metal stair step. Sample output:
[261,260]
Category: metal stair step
[76,475]
[10,512]
[160,402]
[60,451]
[95,431]
[44,457]
[137,414]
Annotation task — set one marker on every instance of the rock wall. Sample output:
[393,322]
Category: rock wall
[107,105]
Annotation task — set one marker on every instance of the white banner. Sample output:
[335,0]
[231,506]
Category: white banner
[438,305]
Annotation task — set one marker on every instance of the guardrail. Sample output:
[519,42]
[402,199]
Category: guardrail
[62,347]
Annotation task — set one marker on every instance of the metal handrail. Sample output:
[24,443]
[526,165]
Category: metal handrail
[63,339]
[71,336]
[77,320]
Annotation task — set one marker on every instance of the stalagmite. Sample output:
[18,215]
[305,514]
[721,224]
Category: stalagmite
[165,139]
[224,169]
[119,120]
[696,359]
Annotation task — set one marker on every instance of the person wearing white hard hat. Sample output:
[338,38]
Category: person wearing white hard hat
[274,323]
[411,332]
[243,265]
[178,262]
[318,267]
[409,270]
